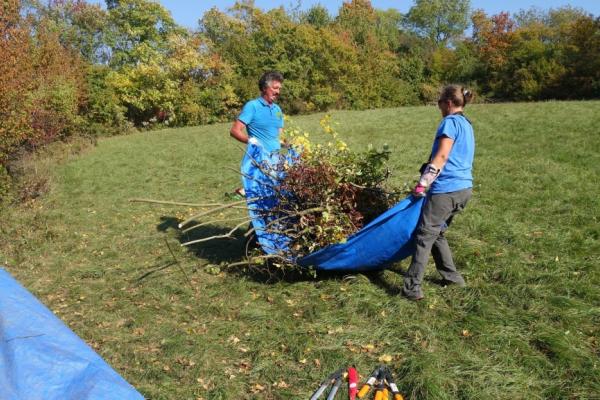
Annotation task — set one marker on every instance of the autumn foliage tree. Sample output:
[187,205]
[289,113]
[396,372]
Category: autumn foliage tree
[16,78]
[41,80]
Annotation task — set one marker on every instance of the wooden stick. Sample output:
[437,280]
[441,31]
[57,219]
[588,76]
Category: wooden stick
[174,203]
[227,235]
[214,221]
[251,261]
[296,214]
[221,207]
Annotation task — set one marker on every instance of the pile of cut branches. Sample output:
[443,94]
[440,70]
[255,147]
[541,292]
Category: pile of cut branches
[346,189]
[327,193]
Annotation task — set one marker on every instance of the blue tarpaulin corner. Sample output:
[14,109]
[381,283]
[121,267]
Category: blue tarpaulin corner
[42,359]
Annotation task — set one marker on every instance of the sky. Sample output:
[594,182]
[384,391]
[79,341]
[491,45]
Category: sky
[188,12]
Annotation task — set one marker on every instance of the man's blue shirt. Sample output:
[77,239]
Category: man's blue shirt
[456,174]
[263,121]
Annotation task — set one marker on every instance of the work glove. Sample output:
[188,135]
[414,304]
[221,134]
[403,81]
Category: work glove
[428,175]
[254,141]
[419,191]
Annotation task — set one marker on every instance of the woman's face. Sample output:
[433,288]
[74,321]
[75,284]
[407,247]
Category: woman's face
[444,106]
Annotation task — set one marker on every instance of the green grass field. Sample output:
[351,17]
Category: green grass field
[526,327]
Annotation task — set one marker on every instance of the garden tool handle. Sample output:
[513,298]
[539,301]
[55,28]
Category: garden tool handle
[319,391]
[364,390]
[370,382]
[334,389]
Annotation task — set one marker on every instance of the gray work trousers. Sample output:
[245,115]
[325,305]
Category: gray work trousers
[437,215]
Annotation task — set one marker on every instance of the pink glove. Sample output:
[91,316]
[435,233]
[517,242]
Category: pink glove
[419,190]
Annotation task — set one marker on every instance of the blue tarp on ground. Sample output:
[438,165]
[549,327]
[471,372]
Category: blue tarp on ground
[385,240]
[42,359]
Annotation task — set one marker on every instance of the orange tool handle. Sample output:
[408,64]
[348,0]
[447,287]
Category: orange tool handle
[364,390]
[379,395]
[398,396]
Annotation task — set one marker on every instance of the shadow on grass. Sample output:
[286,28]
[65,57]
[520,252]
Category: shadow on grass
[225,251]
[391,286]
[217,251]
[391,279]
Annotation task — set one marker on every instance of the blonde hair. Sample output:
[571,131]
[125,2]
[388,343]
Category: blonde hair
[458,95]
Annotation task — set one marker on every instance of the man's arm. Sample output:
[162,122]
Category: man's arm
[238,131]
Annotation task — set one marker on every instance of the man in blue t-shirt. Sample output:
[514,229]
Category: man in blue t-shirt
[261,117]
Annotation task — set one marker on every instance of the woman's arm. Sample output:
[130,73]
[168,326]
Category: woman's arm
[444,147]
[433,169]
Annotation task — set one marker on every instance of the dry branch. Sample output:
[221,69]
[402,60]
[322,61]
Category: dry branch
[213,222]
[225,236]
[219,208]
[174,203]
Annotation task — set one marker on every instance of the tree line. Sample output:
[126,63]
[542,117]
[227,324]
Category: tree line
[70,67]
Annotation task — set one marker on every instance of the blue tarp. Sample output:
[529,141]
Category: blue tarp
[383,241]
[260,174]
[42,359]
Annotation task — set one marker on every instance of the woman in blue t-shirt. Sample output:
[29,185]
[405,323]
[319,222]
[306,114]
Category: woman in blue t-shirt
[447,182]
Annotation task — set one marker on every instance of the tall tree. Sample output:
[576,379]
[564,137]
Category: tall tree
[139,30]
[82,27]
[441,21]
[317,16]
[582,59]
[359,18]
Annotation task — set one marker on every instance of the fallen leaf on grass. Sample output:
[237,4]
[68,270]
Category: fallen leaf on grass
[281,385]
[244,366]
[257,388]
[339,329]
[202,383]
[368,347]
[386,358]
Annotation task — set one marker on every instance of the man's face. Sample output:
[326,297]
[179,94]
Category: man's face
[271,93]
